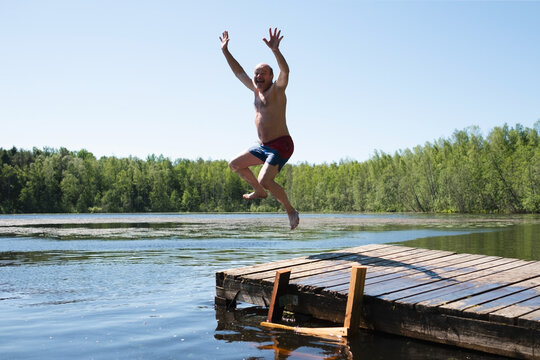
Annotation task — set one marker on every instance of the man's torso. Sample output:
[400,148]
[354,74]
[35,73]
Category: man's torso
[270,113]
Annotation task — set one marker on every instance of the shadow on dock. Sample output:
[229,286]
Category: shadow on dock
[379,261]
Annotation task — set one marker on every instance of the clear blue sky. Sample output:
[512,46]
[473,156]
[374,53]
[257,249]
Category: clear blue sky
[148,77]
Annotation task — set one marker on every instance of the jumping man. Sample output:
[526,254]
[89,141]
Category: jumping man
[276,144]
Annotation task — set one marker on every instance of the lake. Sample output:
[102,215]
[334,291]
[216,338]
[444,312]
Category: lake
[142,286]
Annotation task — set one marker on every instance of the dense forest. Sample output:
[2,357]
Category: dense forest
[465,173]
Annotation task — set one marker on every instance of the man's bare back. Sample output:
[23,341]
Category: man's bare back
[270,108]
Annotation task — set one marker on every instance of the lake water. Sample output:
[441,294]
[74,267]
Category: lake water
[142,286]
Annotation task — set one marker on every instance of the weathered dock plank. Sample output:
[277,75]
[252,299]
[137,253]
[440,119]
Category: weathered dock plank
[318,263]
[486,303]
[384,267]
[280,264]
[420,283]
[422,272]
[479,285]
[513,313]
[530,318]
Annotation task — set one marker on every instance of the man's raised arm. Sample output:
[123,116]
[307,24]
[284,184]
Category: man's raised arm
[235,66]
[273,44]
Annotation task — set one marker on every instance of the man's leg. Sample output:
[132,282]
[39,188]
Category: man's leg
[266,179]
[240,165]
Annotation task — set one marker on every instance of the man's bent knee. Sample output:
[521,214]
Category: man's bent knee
[266,182]
[267,175]
[235,165]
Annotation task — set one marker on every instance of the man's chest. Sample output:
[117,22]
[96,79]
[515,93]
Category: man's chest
[263,99]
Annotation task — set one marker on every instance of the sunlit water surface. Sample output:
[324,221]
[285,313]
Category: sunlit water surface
[142,286]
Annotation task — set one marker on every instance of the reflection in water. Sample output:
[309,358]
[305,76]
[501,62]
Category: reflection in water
[520,241]
[242,325]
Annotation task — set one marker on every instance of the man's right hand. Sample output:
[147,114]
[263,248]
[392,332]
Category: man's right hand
[235,66]
[224,40]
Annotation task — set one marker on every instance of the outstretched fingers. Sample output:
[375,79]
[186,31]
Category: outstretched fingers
[275,38]
[224,38]
[276,35]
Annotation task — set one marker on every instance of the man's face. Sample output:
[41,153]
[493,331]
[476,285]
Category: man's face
[263,77]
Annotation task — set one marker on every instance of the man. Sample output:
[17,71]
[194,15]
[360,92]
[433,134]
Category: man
[276,144]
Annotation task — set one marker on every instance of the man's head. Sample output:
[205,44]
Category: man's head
[263,76]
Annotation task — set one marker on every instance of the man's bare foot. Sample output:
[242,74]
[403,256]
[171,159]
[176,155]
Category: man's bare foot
[255,195]
[294,219]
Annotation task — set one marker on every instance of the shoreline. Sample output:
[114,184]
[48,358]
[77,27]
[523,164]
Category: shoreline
[256,225]
[307,218]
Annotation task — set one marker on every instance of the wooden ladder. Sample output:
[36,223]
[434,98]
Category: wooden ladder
[352,312]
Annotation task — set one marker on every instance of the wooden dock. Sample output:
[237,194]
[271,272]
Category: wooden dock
[486,303]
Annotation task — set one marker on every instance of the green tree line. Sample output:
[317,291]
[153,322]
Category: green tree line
[465,173]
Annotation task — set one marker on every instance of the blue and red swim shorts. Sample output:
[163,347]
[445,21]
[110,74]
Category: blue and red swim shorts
[274,152]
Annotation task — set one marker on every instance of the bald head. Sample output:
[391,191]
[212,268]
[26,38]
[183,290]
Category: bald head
[264,66]
[263,77]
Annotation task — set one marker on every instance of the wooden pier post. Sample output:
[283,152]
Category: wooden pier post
[281,282]
[353,312]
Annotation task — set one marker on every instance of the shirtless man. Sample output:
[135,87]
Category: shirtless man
[276,144]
